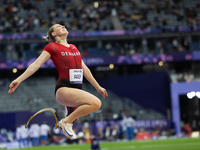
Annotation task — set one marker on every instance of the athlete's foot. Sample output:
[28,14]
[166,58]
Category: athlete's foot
[67,129]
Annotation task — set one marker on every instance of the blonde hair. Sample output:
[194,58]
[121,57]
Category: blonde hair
[49,37]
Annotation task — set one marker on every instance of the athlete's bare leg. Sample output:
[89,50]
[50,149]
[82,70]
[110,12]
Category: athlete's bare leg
[71,97]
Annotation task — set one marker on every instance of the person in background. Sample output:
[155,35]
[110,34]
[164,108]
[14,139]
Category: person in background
[4,130]
[24,136]
[121,132]
[44,131]
[128,124]
[115,131]
[10,135]
[18,135]
[187,129]
[57,138]
[34,133]
[107,133]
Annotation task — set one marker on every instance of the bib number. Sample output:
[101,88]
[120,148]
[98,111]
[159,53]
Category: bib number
[76,76]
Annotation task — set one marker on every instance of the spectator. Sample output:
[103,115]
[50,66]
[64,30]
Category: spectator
[115,131]
[121,132]
[56,137]
[187,129]
[87,133]
[194,125]
[189,77]
[100,133]
[37,100]
[10,135]
[4,130]
[175,44]
[30,102]
[107,133]
[159,47]
[186,44]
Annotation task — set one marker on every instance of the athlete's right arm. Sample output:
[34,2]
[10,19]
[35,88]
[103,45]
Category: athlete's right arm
[44,56]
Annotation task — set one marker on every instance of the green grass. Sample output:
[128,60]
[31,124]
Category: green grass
[169,144]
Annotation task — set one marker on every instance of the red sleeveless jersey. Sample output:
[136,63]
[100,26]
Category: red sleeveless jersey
[64,58]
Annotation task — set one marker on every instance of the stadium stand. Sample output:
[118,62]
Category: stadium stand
[36,88]
[38,92]
[165,16]
[32,16]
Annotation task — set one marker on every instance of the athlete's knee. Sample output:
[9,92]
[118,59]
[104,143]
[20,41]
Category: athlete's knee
[96,104]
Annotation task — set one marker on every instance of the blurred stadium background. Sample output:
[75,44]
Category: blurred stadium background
[146,53]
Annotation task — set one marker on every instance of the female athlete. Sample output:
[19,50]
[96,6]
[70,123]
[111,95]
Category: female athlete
[71,70]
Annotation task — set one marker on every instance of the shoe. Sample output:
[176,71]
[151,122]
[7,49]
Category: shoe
[67,129]
[69,110]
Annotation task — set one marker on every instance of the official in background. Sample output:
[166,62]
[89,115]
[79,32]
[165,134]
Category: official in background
[128,124]
[34,133]
[44,131]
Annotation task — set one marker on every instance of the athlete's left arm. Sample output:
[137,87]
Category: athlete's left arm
[88,75]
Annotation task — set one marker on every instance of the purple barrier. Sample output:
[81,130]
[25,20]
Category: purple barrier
[116,60]
[147,124]
[100,33]
[196,55]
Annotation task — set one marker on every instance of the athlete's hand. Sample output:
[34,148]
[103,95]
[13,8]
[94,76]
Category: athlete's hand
[102,91]
[13,85]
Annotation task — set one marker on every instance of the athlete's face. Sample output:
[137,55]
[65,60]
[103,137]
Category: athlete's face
[59,30]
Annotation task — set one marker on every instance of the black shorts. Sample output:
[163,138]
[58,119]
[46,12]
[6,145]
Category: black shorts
[64,83]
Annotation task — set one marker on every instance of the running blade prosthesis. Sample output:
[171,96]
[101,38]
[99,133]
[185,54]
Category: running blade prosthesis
[66,127]
[44,110]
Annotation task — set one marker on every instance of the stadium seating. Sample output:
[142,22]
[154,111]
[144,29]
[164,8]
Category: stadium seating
[41,89]
[127,14]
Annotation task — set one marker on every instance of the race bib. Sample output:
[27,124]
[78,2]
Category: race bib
[76,76]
